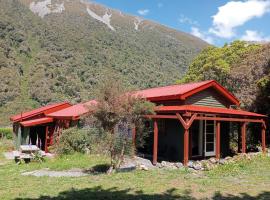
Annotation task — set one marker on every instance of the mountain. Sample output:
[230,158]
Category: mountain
[56,50]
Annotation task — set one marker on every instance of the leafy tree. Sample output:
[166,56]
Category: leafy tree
[117,112]
[215,63]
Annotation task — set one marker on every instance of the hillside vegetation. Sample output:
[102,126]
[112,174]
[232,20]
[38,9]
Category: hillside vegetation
[61,52]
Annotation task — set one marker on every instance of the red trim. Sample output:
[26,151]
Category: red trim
[164,98]
[205,109]
[155,145]
[243,135]
[35,122]
[218,140]
[263,140]
[39,112]
[226,119]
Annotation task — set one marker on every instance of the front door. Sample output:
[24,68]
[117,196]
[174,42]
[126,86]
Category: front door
[209,138]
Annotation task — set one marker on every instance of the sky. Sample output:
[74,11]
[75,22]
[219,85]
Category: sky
[215,21]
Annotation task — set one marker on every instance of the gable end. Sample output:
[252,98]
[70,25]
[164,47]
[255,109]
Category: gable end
[208,97]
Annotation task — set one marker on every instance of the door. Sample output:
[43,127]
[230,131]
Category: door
[210,138]
[196,138]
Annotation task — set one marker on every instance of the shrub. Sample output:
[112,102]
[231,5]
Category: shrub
[81,140]
[6,133]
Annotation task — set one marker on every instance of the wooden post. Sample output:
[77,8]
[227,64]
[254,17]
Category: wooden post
[186,125]
[46,139]
[186,142]
[155,147]
[243,134]
[263,139]
[218,140]
[239,138]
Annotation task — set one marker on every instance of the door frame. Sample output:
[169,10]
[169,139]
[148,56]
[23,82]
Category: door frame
[209,153]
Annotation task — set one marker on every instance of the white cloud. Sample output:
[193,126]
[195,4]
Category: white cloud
[236,13]
[160,5]
[254,36]
[186,20]
[143,11]
[204,36]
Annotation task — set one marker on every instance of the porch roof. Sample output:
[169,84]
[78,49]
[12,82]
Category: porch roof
[73,112]
[39,111]
[34,122]
[205,109]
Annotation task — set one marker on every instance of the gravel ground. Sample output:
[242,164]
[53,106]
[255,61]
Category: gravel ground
[47,172]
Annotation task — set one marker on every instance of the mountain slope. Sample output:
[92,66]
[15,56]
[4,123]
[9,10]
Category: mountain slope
[55,50]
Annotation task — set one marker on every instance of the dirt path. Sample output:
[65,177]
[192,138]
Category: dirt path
[65,173]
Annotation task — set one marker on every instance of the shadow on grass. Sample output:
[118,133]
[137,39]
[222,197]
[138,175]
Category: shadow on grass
[243,196]
[98,193]
[98,169]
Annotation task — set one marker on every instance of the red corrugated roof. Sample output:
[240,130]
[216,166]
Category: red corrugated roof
[39,111]
[74,111]
[183,91]
[34,122]
[205,109]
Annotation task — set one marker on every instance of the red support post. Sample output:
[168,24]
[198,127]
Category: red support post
[46,139]
[243,133]
[186,144]
[218,140]
[155,147]
[263,140]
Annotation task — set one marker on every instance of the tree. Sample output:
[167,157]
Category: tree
[215,63]
[117,113]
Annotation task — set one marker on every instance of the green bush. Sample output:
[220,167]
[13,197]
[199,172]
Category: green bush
[81,140]
[6,133]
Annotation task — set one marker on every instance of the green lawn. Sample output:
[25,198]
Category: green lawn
[244,180]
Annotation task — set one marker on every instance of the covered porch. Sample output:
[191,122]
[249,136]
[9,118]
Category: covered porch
[212,118]
[42,132]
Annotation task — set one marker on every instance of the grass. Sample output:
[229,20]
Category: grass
[242,180]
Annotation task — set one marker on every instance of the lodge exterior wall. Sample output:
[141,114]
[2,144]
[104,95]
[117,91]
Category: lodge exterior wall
[171,140]
[208,97]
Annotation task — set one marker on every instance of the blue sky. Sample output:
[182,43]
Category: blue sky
[215,21]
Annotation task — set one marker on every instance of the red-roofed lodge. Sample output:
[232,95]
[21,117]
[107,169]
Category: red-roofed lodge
[192,121]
